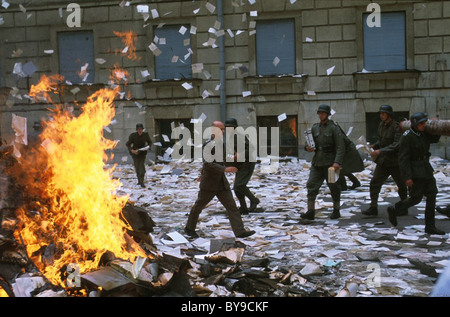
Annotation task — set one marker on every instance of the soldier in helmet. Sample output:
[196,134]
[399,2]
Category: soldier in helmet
[33,138]
[385,156]
[414,160]
[329,152]
[136,141]
[245,167]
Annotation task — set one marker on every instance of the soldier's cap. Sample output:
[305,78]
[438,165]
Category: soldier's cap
[418,117]
[231,122]
[387,109]
[324,108]
[139,126]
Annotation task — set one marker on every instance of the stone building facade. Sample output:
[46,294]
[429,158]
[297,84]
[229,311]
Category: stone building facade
[221,72]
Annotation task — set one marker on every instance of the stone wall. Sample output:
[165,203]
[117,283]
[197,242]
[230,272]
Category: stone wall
[335,30]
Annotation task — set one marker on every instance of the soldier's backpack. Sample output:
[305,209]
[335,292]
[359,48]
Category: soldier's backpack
[353,162]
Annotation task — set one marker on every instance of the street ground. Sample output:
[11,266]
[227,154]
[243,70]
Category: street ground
[320,257]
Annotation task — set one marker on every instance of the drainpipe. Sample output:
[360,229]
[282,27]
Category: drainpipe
[223,97]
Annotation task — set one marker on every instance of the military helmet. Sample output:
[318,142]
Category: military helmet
[387,109]
[139,126]
[231,122]
[418,117]
[324,108]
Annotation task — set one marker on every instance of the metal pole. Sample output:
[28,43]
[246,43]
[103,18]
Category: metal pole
[223,97]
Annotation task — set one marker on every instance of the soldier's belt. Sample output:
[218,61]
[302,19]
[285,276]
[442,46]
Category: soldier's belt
[327,149]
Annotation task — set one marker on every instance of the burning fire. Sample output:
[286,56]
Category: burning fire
[128,38]
[119,75]
[3,292]
[78,215]
[45,85]
[293,126]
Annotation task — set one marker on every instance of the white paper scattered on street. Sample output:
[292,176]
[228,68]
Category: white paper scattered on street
[279,235]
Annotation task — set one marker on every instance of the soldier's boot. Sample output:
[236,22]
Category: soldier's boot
[430,226]
[355,185]
[336,213]
[244,191]
[403,211]
[309,215]
[371,212]
[243,205]
[433,230]
[253,203]
[343,183]
[394,211]
[355,181]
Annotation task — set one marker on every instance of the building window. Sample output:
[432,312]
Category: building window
[288,139]
[76,56]
[385,46]
[275,47]
[174,61]
[373,121]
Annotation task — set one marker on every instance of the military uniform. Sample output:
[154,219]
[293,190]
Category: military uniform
[245,170]
[413,158]
[214,183]
[386,164]
[136,142]
[34,136]
[330,149]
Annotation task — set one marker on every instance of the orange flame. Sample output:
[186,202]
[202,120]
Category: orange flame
[3,292]
[128,38]
[80,215]
[46,84]
[293,126]
[119,74]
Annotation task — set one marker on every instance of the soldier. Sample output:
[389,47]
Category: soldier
[416,170]
[137,141]
[33,137]
[245,169]
[329,151]
[213,182]
[385,156]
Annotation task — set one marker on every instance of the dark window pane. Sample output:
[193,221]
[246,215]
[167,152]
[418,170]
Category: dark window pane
[165,127]
[175,60]
[76,49]
[385,46]
[275,47]
[288,139]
